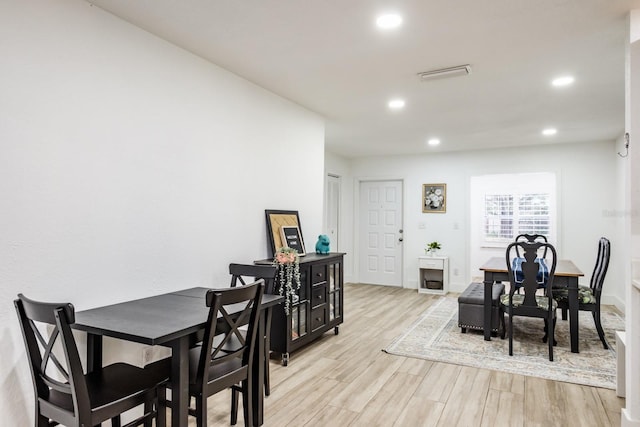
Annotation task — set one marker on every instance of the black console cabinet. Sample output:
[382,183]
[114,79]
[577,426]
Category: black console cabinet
[318,307]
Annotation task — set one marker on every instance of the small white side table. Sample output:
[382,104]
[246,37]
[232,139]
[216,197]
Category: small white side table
[434,275]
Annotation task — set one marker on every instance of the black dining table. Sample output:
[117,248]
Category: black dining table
[175,320]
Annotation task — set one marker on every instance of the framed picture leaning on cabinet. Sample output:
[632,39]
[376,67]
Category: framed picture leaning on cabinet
[276,219]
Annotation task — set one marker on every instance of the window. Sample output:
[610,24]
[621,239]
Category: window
[507,215]
[503,206]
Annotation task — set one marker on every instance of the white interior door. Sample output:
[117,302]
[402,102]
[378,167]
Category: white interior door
[332,214]
[380,232]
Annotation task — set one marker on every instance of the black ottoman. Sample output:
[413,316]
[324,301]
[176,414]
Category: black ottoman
[471,307]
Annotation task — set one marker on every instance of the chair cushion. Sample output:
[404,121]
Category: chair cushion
[585,295]
[543,272]
[518,299]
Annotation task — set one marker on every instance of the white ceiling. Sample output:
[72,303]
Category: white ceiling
[328,56]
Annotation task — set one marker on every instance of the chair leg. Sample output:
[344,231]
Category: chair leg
[42,421]
[234,405]
[551,337]
[201,411]
[596,319]
[247,388]
[546,331]
[115,421]
[148,409]
[267,351]
[564,313]
[510,335]
[161,408]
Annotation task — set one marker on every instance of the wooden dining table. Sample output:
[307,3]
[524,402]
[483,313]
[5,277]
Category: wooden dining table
[566,275]
[175,320]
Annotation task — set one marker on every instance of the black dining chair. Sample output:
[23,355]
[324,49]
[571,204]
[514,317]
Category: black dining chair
[213,366]
[241,275]
[530,304]
[64,394]
[589,296]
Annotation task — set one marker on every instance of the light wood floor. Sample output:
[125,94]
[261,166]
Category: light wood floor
[346,380]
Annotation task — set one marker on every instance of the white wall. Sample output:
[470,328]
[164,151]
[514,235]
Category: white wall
[587,187]
[130,167]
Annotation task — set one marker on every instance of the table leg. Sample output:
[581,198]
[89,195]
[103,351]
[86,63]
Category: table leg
[573,315]
[94,352]
[258,372]
[488,288]
[180,382]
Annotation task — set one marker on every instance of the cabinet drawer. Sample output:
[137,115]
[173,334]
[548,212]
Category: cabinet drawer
[318,273]
[437,264]
[318,318]
[318,295]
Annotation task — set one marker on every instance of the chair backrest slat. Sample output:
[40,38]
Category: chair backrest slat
[601,267]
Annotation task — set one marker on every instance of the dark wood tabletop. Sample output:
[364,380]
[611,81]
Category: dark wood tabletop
[173,320]
[564,267]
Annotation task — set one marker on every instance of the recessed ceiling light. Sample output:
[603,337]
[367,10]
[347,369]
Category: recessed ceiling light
[562,81]
[396,104]
[549,131]
[389,21]
[433,141]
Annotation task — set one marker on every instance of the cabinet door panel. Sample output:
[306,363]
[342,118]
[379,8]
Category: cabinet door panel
[298,321]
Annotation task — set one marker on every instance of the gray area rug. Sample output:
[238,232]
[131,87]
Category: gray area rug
[436,336]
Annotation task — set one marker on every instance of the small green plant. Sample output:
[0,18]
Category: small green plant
[434,246]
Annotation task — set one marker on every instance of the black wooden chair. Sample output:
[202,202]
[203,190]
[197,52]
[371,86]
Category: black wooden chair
[64,394]
[589,296]
[242,274]
[217,368]
[213,365]
[530,304]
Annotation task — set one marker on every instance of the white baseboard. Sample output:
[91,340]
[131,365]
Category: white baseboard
[626,421]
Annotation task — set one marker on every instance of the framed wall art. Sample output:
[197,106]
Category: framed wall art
[276,220]
[434,198]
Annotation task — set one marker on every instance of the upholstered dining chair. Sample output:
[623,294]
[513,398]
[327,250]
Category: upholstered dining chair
[530,303]
[589,296]
[64,394]
[241,274]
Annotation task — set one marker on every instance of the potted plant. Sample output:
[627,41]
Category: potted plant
[432,248]
[288,278]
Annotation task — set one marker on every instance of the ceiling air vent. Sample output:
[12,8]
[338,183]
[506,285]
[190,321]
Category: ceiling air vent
[460,70]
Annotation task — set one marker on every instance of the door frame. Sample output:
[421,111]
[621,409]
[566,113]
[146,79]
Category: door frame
[356,229]
[335,245]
